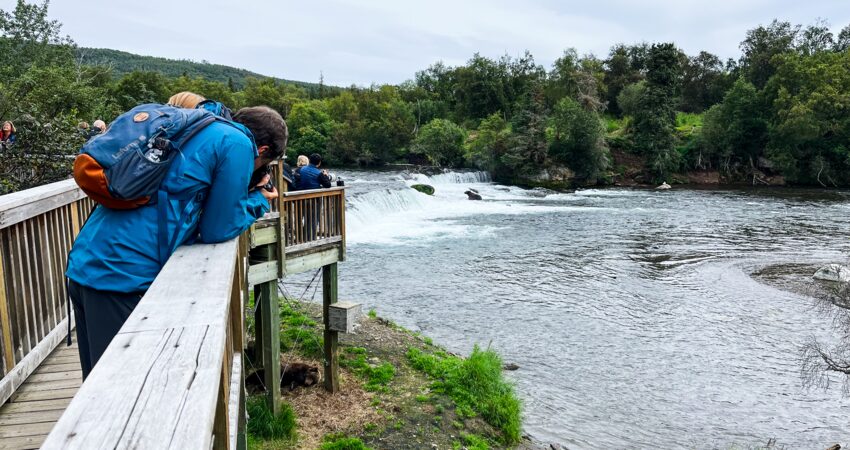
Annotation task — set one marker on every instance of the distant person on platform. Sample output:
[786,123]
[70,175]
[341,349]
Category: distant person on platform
[312,176]
[98,127]
[8,135]
[83,128]
[296,173]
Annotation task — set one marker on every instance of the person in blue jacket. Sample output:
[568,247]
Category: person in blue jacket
[116,255]
[311,176]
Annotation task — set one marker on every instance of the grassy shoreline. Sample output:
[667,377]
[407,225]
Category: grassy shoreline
[398,391]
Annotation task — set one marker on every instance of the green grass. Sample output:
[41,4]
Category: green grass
[372,313]
[299,332]
[377,377]
[688,122]
[339,442]
[476,384]
[264,425]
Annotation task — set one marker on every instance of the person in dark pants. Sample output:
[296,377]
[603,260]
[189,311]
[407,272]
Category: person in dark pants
[116,255]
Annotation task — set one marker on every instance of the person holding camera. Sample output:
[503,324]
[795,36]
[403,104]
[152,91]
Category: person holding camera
[312,176]
[214,195]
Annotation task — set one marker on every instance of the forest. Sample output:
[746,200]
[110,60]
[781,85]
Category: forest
[648,111]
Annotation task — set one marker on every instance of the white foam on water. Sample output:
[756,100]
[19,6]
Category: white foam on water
[406,216]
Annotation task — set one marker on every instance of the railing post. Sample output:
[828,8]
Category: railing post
[329,296]
[5,318]
[268,331]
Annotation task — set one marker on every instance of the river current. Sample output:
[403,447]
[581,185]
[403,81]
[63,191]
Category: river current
[631,313]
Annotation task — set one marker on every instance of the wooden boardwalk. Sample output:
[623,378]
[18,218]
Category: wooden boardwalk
[29,415]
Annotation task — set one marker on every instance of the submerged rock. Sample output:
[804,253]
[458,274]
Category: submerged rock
[424,188]
[833,272]
[510,366]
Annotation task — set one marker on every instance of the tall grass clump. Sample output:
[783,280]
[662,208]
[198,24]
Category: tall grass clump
[265,425]
[475,383]
[340,442]
[299,332]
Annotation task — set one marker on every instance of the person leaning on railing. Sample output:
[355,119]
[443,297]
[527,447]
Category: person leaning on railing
[116,256]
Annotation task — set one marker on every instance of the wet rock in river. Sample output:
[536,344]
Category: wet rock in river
[833,272]
[424,188]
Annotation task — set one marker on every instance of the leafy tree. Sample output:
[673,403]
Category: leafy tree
[578,140]
[213,90]
[140,87]
[630,98]
[655,119]
[441,141]
[842,42]
[704,81]
[623,67]
[810,132]
[269,92]
[816,38]
[488,143]
[735,130]
[527,148]
[761,45]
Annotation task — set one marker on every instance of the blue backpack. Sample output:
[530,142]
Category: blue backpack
[123,167]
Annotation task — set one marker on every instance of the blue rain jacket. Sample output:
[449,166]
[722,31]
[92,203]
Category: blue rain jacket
[119,250]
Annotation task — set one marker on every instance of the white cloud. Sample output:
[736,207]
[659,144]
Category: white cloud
[364,41]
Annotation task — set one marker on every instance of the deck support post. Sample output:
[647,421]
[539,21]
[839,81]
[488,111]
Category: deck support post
[329,296]
[268,332]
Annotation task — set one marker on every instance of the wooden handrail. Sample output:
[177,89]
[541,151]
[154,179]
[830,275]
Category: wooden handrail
[165,381]
[37,230]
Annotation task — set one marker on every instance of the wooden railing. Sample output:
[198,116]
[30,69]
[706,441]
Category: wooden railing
[173,376]
[37,230]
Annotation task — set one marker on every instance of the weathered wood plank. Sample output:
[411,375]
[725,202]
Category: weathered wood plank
[298,264]
[35,405]
[22,442]
[262,273]
[5,318]
[313,244]
[169,380]
[171,302]
[30,429]
[56,376]
[169,357]
[44,394]
[65,358]
[311,193]
[13,380]
[49,385]
[19,206]
[52,368]
[30,417]
[264,236]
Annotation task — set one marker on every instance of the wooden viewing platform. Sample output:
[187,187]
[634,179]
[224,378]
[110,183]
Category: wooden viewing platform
[173,376]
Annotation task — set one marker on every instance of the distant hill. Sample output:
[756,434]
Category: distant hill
[124,62]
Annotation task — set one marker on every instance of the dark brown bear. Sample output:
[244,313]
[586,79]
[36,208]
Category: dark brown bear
[291,375]
[297,374]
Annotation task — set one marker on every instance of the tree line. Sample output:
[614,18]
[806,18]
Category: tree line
[779,109]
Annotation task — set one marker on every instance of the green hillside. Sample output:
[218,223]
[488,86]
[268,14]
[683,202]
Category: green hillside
[123,63]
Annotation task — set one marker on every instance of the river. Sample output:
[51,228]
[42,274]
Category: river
[631,313]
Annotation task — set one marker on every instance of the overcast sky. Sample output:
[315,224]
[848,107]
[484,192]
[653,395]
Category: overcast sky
[386,41]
